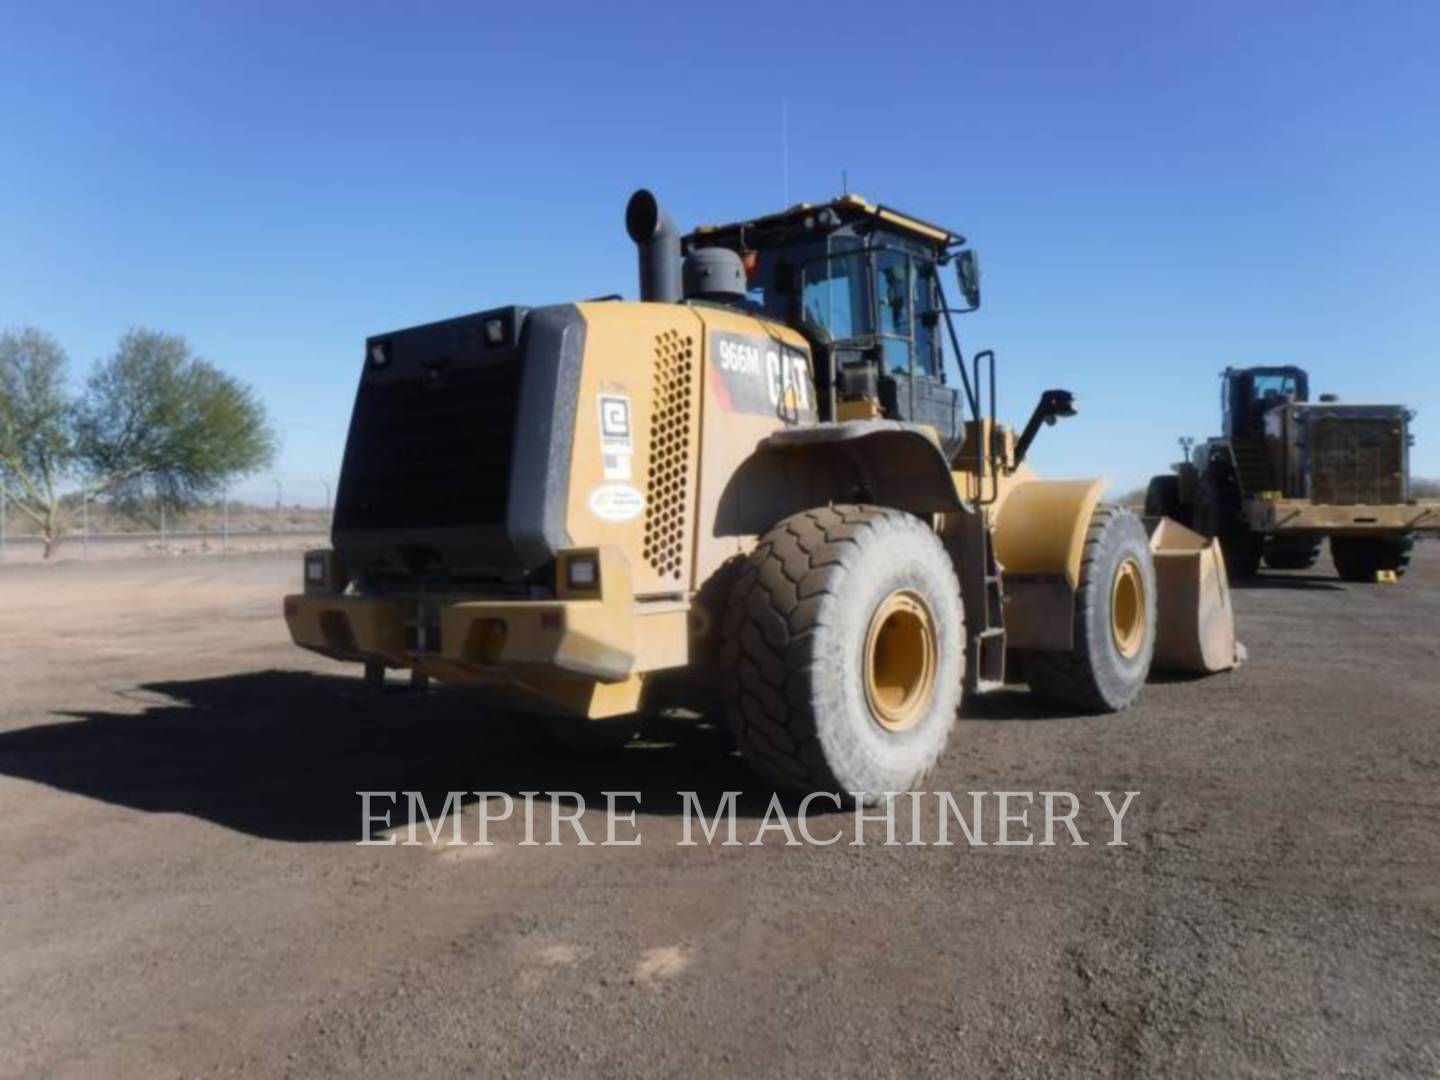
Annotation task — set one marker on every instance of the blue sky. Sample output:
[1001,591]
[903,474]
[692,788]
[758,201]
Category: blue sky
[1156,190]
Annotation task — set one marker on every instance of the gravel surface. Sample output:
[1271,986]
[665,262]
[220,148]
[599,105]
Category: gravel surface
[183,894]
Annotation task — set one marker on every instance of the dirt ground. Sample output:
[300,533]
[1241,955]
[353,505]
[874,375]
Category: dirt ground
[182,893]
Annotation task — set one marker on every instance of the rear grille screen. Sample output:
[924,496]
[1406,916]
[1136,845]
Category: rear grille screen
[667,494]
[1356,462]
[432,451]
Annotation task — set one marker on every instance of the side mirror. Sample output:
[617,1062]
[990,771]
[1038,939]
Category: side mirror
[967,269]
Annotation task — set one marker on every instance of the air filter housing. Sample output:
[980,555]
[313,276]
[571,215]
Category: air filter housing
[715,274]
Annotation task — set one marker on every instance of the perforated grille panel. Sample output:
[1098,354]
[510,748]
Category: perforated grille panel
[667,482]
[1357,461]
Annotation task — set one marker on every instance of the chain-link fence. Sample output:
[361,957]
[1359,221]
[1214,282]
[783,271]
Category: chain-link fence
[278,511]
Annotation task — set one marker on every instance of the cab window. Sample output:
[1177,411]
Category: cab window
[895,309]
[1274,386]
[833,294]
[927,343]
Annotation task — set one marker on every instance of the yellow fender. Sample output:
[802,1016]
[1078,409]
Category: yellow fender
[1039,533]
[1040,526]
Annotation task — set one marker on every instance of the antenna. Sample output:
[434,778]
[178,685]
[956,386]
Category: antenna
[785,153]
[844,183]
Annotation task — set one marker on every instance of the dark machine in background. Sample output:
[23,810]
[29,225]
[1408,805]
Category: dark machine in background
[1287,473]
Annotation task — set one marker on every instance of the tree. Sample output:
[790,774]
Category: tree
[153,417]
[37,428]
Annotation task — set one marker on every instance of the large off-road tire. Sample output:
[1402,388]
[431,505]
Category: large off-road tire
[1162,497]
[1114,629]
[1359,558]
[844,652]
[1217,515]
[1292,555]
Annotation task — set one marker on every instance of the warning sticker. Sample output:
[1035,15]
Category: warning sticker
[616,502]
[617,443]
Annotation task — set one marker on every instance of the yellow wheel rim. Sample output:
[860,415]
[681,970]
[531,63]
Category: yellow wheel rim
[900,660]
[1127,609]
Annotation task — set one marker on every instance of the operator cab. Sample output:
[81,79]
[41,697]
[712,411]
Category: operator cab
[1249,393]
[862,283]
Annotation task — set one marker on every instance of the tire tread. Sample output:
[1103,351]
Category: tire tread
[769,625]
[1069,678]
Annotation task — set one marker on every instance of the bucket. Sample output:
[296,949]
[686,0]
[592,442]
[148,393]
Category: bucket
[1195,620]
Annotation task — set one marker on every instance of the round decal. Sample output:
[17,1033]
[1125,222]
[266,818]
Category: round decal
[616,502]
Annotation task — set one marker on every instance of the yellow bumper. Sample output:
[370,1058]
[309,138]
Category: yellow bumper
[584,655]
[1279,515]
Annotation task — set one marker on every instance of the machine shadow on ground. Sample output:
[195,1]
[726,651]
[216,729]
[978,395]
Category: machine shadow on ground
[1302,582]
[281,754]
[1011,703]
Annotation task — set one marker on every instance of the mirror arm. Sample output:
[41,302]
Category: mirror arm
[945,310]
[1053,404]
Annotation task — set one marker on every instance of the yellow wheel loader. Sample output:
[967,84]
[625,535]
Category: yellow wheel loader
[775,477]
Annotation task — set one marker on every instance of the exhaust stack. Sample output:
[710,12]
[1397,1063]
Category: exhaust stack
[658,242]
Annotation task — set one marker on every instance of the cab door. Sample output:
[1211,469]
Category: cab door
[912,387]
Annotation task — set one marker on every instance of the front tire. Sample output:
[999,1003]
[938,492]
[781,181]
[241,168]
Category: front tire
[1217,515]
[1359,558]
[1114,628]
[1162,497]
[844,651]
[1292,555]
